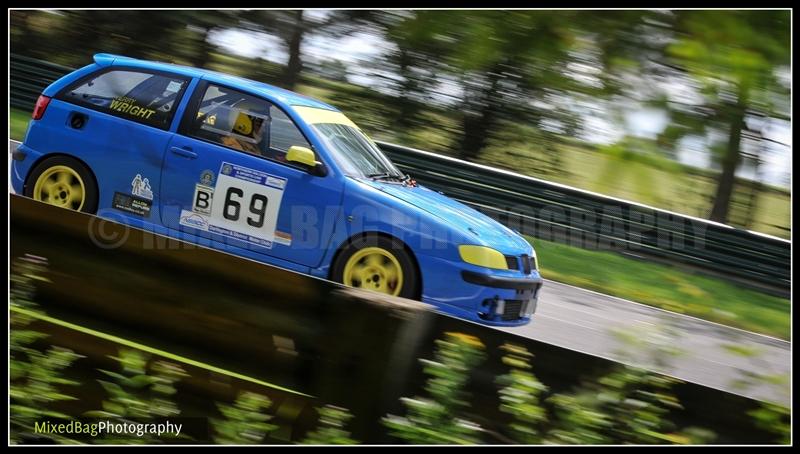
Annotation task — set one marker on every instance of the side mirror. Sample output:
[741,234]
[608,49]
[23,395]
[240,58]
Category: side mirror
[304,156]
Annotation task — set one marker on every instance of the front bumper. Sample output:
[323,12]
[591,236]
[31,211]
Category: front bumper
[506,309]
[488,280]
[489,297]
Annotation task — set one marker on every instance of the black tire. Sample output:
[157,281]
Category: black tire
[411,280]
[91,195]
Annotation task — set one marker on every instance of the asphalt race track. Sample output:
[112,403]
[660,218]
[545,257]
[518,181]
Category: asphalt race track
[677,345]
[684,347]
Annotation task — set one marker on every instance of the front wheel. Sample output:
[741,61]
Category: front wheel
[63,182]
[377,263]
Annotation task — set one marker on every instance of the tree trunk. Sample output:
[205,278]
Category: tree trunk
[476,127]
[202,57]
[295,66]
[727,178]
[407,112]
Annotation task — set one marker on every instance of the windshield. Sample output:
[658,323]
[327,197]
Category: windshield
[358,155]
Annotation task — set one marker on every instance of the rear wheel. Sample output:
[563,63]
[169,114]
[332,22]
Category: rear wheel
[377,263]
[64,182]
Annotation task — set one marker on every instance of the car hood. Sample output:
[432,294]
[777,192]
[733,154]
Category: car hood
[470,222]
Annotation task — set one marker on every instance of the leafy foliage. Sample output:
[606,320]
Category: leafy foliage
[138,393]
[37,378]
[437,419]
[331,430]
[520,396]
[245,421]
[776,419]
[769,416]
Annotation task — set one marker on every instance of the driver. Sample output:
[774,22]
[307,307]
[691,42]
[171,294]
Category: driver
[248,129]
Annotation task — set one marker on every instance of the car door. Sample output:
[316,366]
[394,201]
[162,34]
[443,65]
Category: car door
[118,122]
[225,178]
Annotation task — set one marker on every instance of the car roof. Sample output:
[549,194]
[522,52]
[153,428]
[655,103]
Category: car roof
[287,97]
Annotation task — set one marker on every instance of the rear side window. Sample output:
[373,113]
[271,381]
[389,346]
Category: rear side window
[140,96]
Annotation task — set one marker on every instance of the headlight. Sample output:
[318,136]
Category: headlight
[483,256]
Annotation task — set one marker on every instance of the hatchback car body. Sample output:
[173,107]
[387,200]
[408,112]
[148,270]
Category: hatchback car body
[268,174]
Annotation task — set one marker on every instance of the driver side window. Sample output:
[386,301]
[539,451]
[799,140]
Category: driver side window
[284,132]
[245,123]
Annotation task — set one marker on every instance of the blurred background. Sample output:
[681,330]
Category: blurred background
[682,110]
[687,111]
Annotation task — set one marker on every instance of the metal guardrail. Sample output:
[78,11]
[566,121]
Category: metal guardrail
[304,341]
[29,76]
[581,218]
[552,211]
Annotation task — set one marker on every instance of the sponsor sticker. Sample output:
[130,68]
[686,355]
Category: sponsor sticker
[283,238]
[194,220]
[207,177]
[174,86]
[141,187]
[240,203]
[129,106]
[132,204]
[203,196]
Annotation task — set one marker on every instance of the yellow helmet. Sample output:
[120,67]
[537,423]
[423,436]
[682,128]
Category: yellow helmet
[243,124]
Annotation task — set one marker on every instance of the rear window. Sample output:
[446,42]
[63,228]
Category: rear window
[140,96]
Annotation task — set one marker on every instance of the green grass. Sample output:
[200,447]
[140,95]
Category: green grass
[660,184]
[19,123]
[665,287]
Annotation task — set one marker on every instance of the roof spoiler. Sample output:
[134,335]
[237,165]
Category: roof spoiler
[109,59]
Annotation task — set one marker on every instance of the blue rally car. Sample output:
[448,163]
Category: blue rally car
[264,173]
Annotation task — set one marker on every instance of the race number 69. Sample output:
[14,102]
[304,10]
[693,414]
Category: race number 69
[232,207]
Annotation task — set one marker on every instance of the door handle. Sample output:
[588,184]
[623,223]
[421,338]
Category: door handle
[185,152]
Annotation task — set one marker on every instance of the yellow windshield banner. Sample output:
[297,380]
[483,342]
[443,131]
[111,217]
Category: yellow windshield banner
[313,115]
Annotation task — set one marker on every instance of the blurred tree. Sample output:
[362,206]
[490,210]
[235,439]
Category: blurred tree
[505,60]
[331,69]
[293,26]
[202,24]
[733,59]
[22,36]
[411,63]
[514,66]
[86,32]
[73,36]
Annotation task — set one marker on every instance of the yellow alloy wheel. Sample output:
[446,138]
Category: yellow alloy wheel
[61,186]
[374,268]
